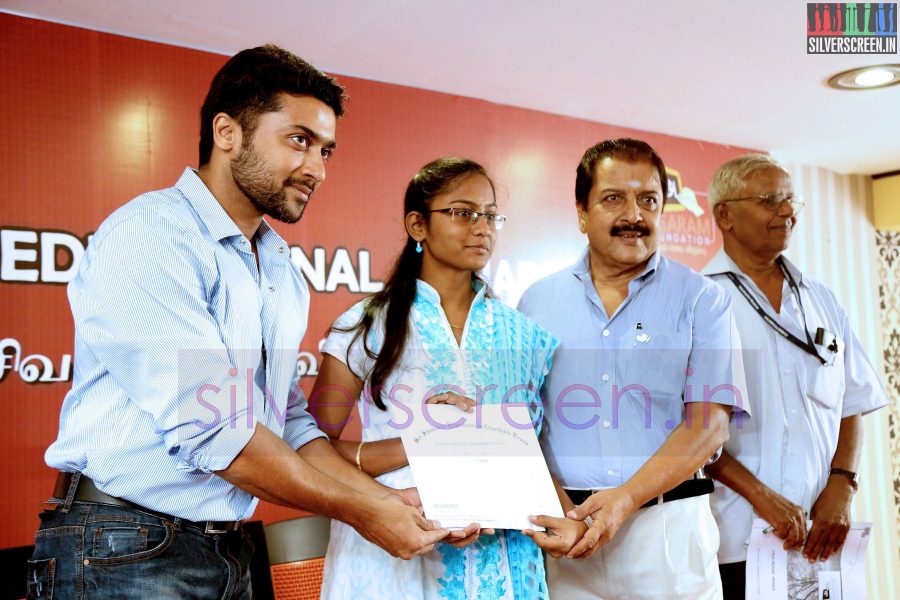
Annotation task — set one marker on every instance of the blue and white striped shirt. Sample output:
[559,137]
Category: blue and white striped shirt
[171,318]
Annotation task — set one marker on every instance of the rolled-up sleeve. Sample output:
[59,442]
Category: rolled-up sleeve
[141,307]
[300,428]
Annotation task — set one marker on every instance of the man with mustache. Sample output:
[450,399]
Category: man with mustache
[640,393]
[806,372]
[186,407]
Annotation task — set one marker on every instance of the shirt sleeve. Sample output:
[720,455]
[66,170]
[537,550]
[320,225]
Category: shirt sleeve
[715,365]
[524,304]
[345,342]
[300,428]
[140,306]
[863,391]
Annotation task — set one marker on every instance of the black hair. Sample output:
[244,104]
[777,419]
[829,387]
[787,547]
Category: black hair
[627,149]
[248,86]
[396,297]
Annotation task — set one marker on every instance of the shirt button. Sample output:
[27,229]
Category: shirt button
[604,377]
[281,250]
[611,472]
[271,288]
[606,333]
[793,411]
[607,424]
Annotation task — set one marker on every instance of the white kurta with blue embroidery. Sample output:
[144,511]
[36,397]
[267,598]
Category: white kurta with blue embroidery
[500,349]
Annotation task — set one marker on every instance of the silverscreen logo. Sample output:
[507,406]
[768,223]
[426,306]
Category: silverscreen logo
[851,28]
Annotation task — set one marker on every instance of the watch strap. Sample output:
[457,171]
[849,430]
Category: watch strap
[850,475]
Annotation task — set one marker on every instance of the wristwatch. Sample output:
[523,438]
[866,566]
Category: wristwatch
[853,477]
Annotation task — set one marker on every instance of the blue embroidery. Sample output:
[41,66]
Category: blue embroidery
[504,358]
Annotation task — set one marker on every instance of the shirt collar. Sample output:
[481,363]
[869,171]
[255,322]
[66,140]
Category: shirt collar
[582,266]
[796,273]
[721,263]
[269,238]
[214,217]
[211,213]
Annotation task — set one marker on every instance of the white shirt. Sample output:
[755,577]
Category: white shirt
[798,403]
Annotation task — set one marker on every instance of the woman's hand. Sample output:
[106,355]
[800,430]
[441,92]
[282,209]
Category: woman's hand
[461,538]
[461,402]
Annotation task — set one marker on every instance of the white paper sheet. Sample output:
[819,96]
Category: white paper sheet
[484,467]
[775,574]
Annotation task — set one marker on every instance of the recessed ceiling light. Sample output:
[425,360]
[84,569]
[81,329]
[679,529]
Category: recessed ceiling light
[873,78]
[866,78]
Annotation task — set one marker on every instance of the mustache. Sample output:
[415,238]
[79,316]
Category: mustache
[636,228]
[308,182]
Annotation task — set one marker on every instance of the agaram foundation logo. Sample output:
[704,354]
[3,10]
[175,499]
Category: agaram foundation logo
[851,28]
[688,232]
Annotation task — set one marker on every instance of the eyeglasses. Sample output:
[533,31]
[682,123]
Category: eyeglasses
[773,202]
[469,216]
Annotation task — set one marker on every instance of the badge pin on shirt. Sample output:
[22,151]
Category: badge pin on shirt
[641,336]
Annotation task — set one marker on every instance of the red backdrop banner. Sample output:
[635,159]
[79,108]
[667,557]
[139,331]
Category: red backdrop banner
[90,120]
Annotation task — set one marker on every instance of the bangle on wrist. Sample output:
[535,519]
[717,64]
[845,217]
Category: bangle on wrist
[849,475]
[358,455]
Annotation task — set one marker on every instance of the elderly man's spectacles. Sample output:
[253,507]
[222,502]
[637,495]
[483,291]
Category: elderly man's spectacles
[469,216]
[773,202]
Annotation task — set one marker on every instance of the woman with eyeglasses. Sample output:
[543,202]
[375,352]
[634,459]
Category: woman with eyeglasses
[434,309]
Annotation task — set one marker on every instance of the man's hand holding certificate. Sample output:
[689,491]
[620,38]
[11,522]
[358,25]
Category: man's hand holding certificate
[776,573]
[483,466]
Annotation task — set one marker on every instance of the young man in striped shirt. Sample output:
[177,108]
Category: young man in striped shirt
[185,407]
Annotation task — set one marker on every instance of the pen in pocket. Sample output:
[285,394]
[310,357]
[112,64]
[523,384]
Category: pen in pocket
[639,335]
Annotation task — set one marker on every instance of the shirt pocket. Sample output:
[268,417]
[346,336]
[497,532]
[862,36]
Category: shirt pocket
[654,378]
[656,361]
[825,383]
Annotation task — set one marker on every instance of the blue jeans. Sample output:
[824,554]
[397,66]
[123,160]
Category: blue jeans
[96,551]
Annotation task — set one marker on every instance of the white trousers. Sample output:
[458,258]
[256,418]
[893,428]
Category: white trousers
[666,552]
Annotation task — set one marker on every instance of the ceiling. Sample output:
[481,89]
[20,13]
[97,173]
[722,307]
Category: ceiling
[728,72]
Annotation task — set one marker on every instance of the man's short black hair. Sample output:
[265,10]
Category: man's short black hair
[249,84]
[627,149]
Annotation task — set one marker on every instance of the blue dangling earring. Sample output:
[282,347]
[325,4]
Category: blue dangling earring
[418,247]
